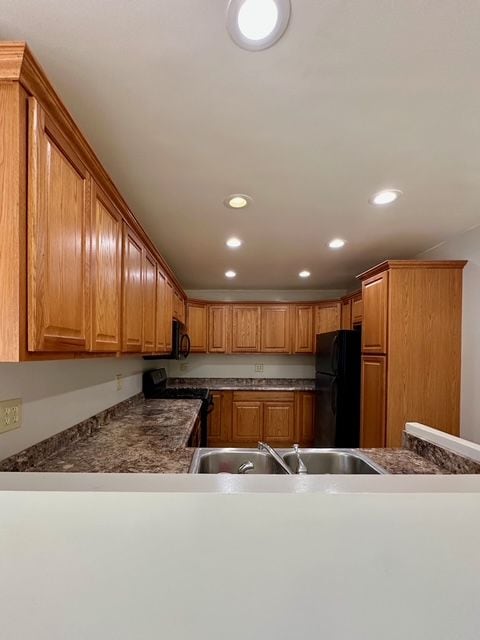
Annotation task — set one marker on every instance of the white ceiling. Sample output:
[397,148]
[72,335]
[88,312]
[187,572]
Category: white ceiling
[355,97]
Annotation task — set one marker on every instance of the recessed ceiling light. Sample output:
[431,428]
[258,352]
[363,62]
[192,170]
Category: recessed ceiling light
[336,243]
[237,201]
[304,274]
[230,274]
[257,24]
[234,243]
[386,196]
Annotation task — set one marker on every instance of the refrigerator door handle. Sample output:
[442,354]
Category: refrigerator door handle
[333,396]
[333,355]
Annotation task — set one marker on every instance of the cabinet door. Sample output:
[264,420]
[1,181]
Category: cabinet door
[305,417]
[149,302]
[105,272]
[218,328]
[279,422]
[373,412]
[357,310]
[303,330]
[327,317]
[161,327]
[197,326]
[168,317]
[247,421]
[375,313]
[178,307]
[275,329]
[219,420]
[245,328]
[346,312]
[132,329]
[59,212]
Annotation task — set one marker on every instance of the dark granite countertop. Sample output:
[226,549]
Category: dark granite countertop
[149,437]
[244,384]
[402,461]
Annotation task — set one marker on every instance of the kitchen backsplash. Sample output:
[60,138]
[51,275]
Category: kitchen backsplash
[242,366]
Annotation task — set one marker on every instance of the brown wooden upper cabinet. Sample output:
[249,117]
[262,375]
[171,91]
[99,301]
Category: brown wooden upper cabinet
[327,317]
[245,328]
[78,271]
[168,316]
[178,307]
[275,329]
[58,239]
[197,326]
[105,272]
[149,286]
[346,314]
[133,264]
[219,321]
[162,326]
[303,328]
[357,309]
[375,311]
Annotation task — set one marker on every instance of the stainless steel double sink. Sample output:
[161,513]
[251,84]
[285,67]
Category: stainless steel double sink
[253,461]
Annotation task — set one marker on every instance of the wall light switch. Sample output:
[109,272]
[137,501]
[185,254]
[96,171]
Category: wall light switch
[119,379]
[10,414]
[259,368]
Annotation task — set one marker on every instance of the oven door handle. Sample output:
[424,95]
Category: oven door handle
[211,406]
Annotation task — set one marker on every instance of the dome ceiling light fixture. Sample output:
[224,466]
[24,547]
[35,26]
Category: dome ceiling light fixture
[336,243]
[384,197]
[304,274]
[237,201]
[257,24]
[234,243]
[230,274]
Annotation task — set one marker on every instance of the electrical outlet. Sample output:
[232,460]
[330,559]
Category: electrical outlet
[119,379]
[259,368]
[184,367]
[10,414]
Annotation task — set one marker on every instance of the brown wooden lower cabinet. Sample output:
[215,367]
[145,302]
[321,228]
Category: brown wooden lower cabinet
[247,419]
[305,418]
[279,422]
[373,419]
[243,418]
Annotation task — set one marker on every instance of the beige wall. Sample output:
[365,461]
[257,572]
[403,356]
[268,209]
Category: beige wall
[267,295]
[58,394]
[242,366]
[467,247]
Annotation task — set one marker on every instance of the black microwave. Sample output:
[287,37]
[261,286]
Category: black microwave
[180,344]
[180,341]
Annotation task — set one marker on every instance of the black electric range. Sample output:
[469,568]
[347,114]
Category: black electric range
[155,386]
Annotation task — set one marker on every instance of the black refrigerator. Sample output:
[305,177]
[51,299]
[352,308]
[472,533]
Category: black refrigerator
[337,386]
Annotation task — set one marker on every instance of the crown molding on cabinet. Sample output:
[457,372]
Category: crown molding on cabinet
[411,264]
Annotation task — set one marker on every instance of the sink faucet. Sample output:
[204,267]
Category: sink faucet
[263,446]
[246,466]
[301,468]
